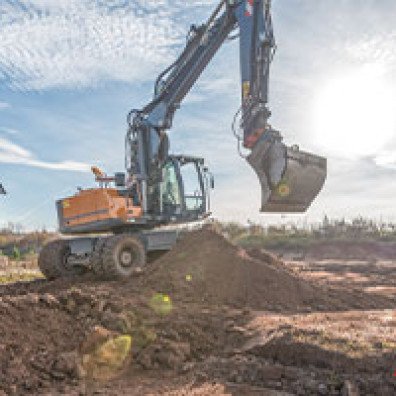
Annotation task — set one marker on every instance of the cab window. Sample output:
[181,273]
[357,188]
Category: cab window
[193,194]
[170,190]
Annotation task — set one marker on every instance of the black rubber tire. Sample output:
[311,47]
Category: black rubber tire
[112,256]
[51,260]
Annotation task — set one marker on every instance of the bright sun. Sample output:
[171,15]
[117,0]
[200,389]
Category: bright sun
[354,114]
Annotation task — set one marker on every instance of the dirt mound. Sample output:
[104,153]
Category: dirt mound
[205,267]
[192,306]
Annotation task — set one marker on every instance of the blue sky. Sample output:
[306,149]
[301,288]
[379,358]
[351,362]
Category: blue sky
[70,70]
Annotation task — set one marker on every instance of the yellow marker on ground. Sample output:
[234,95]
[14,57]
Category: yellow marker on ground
[108,359]
[161,304]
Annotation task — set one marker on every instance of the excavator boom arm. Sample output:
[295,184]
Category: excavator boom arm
[147,141]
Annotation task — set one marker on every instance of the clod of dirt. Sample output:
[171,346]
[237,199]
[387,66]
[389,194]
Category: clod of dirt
[166,353]
[107,358]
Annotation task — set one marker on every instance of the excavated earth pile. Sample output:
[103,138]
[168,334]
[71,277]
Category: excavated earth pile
[206,318]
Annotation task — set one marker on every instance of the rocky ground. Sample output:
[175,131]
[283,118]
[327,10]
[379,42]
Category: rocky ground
[207,318]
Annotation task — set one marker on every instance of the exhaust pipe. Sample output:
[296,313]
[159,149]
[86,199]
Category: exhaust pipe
[290,179]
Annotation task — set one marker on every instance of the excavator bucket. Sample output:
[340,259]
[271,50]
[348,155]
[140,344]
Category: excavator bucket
[290,179]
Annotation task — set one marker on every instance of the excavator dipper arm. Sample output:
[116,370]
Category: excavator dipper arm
[290,179]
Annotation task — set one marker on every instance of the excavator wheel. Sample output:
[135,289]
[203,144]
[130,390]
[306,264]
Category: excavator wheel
[122,257]
[52,259]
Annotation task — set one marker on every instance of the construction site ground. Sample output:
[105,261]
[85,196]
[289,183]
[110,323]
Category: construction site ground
[207,318]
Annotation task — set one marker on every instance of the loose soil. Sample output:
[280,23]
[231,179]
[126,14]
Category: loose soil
[207,318]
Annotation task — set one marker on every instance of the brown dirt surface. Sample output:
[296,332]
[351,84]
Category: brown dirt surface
[353,250]
[207,318]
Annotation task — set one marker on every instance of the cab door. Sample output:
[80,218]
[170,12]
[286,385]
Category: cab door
[193,189]
[171,190]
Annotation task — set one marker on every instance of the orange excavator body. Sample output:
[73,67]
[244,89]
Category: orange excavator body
[94,207]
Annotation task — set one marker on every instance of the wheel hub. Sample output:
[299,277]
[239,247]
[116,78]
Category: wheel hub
[126,258]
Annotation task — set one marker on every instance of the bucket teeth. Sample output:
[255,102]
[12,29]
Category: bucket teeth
[290,179]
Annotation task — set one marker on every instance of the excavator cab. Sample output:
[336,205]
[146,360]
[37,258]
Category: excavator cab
[290,178]
[185,188]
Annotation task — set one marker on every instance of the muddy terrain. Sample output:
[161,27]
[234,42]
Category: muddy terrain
[207,318]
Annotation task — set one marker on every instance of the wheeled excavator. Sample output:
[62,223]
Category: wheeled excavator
[126,211]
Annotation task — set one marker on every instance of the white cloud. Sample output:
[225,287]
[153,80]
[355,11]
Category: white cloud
[4,105]
[11,153]
[386,160]
[9,131]
[69,43]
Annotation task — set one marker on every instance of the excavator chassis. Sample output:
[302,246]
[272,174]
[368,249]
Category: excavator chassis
[106,257]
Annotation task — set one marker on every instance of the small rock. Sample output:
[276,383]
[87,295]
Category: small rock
[239,379]
[98,336]
[85,308]
[70,305]
[350,389]
[187,367]
[377,345]
[246,311]
[32,298]
[291,373]
[57,375]
[68,364]
[101,305]
[4,307]
[50,300]
[200,377]
[113,321]
[322,389]
[236,329]
[272,372]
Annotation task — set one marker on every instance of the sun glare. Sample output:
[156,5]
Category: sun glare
[354,114]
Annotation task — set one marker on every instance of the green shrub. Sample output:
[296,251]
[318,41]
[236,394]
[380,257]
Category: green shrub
[16,253]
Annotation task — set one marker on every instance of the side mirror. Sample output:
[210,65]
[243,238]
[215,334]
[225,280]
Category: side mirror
[212,182]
